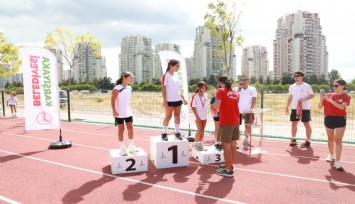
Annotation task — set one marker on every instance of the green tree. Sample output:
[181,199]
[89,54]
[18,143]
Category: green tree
[286,78]
[268,80]
[261,80]
[313,79]
[322,79]
[103,83]
[253,80]
[67,43]
[9,59]
[334,74]
[212,80]
[223,19]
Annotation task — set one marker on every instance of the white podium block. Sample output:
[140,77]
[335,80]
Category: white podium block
[209,155]
[132,163]
[169,154]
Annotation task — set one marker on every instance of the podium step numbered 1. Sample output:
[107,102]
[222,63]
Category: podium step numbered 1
[169,154]
[209,155]
[133,162]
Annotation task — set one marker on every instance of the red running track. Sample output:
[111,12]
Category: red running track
[30,173]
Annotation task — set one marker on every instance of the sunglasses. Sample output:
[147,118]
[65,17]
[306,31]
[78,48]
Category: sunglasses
[297,76]
[244,80]
[336,85]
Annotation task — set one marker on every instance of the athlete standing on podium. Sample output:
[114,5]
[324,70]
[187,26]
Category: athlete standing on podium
[121,108]
[172,98]
[227,100]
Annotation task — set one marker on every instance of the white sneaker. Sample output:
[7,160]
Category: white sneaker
[199,146]
[329,158]
[338,166]
[123,151]
[132,149]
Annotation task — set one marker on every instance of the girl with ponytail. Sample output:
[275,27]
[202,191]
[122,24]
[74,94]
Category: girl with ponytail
[172,98]
[121,109]
[227,100]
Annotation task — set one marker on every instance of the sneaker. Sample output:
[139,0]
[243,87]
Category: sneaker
[15,116]
[178,136]
[224,172]
[123,151]
[132,149]
[221,166]
[306,144]
[329,158]
[338,166]
[199,146]
[293,142]
[246,143]
[164,137]
[218,146]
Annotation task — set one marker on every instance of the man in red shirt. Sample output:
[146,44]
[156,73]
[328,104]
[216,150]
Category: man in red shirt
[227,100]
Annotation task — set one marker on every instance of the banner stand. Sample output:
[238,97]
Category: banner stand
[61,144]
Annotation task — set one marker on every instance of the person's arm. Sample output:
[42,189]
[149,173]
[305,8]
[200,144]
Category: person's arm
[183,98]
[308,98]
[217,104]
[253,101]
[341,106]
[320,104]
[289,100]
[163,93]
[113,100]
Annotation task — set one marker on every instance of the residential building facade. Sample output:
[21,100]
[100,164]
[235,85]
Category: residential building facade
[300,45]
[137,57]
[255,62]
[157,69]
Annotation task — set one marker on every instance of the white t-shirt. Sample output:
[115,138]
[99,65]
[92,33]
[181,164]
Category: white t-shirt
[200,104]
[301,91]
[123,101]
[245,100]
[172,84]
[11,100]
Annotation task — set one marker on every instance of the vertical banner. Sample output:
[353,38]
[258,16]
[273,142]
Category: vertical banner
[165,57]
[41,92]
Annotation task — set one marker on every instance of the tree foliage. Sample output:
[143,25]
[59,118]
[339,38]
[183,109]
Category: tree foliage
[9,59]
[223,19]
[286,78]
[334,74]
[67,43]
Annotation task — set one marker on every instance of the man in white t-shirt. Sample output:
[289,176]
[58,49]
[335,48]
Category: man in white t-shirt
[246,104]
[300,94]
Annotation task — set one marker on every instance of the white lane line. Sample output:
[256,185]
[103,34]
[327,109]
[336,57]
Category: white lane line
[123,178]
[8,200]
[101,148]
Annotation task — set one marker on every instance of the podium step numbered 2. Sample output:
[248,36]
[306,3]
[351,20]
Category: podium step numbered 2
[169,154]
[132,163]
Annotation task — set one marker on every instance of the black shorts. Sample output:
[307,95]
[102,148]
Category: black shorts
[216,118]
[119,121]
[175,103]
[333,122]
[306,116]
[246,117]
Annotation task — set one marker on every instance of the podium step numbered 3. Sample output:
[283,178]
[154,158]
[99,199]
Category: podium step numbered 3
[209,155]
[133,162]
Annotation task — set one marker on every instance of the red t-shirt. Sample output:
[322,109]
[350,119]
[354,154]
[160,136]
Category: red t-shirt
[330,109]
[228,110]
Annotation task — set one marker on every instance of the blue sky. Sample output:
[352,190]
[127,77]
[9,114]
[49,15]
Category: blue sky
[26,22]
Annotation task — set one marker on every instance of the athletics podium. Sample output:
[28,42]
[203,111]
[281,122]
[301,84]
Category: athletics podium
[251,132]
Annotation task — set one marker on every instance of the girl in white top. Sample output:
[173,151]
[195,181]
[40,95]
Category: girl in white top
[199,108]
[172,98]
[121,109]
[12,102]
